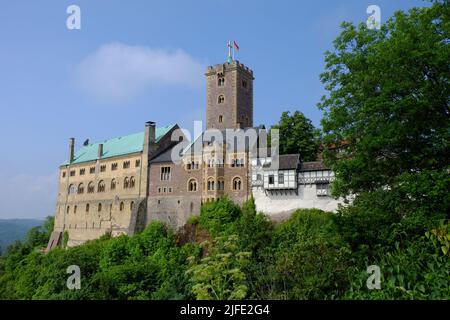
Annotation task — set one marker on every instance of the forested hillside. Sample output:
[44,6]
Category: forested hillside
[234,253]
[15,229]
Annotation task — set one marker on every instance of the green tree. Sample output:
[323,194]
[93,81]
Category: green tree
[219,275]
[388,99]
[298,135]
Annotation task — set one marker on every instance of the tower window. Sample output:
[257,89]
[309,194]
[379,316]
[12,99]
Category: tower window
[220,119]
[244,84]
[165,173]
[192,186]
[221,99]
[221,81]
[237,184]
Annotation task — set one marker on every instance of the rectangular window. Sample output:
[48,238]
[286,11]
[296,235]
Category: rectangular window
[138,163]
[72,173]
[281,178]
[82,171]
[92,170]
[271,179]
[64,174]
[126,164]
[114,166]
[322,189]
[103,168]
[165,173]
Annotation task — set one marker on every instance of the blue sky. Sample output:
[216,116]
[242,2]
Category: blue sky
[136,61]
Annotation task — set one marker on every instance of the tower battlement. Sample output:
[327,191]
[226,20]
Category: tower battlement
[220,68]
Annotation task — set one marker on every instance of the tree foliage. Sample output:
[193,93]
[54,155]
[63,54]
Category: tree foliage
[298,135]
[388,101]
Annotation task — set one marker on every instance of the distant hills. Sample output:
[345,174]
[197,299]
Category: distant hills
[15,229]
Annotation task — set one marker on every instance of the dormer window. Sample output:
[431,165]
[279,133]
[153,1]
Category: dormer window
[220,99]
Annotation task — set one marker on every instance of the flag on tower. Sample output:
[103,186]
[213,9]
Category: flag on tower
[235,45]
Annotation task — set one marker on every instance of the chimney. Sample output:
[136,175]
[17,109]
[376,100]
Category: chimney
[150,132]
[71,149]
[100,151]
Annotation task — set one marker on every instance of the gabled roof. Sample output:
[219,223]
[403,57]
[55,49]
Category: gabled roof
[117,146]
[313,166]
[287,161]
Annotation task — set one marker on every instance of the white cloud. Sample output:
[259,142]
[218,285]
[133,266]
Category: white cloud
[28,196]
[118,71]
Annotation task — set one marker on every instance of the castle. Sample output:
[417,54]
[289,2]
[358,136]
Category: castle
[120,185]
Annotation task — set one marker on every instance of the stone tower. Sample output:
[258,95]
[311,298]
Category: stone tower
[229,96]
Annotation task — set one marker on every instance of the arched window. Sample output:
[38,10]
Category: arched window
[91,187]
[72,189]
[210,184]
[220,99]
[132,182]
[221,82]
[131,205]
[220,119]
[237,184]
[113,184]
[192,185]
[220,184]
[99,208]
[75,209]
[80,188]
[68,209]
[126,183]
[101,186]
[121,206]
[87,207]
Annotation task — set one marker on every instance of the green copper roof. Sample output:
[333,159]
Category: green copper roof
[117,146]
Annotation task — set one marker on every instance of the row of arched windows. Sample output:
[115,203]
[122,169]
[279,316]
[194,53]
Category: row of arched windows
[211,184]
[100,207]
[128,183]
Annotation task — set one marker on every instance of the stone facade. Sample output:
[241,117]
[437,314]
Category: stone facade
[108,194]
[128,182]
[229,96]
